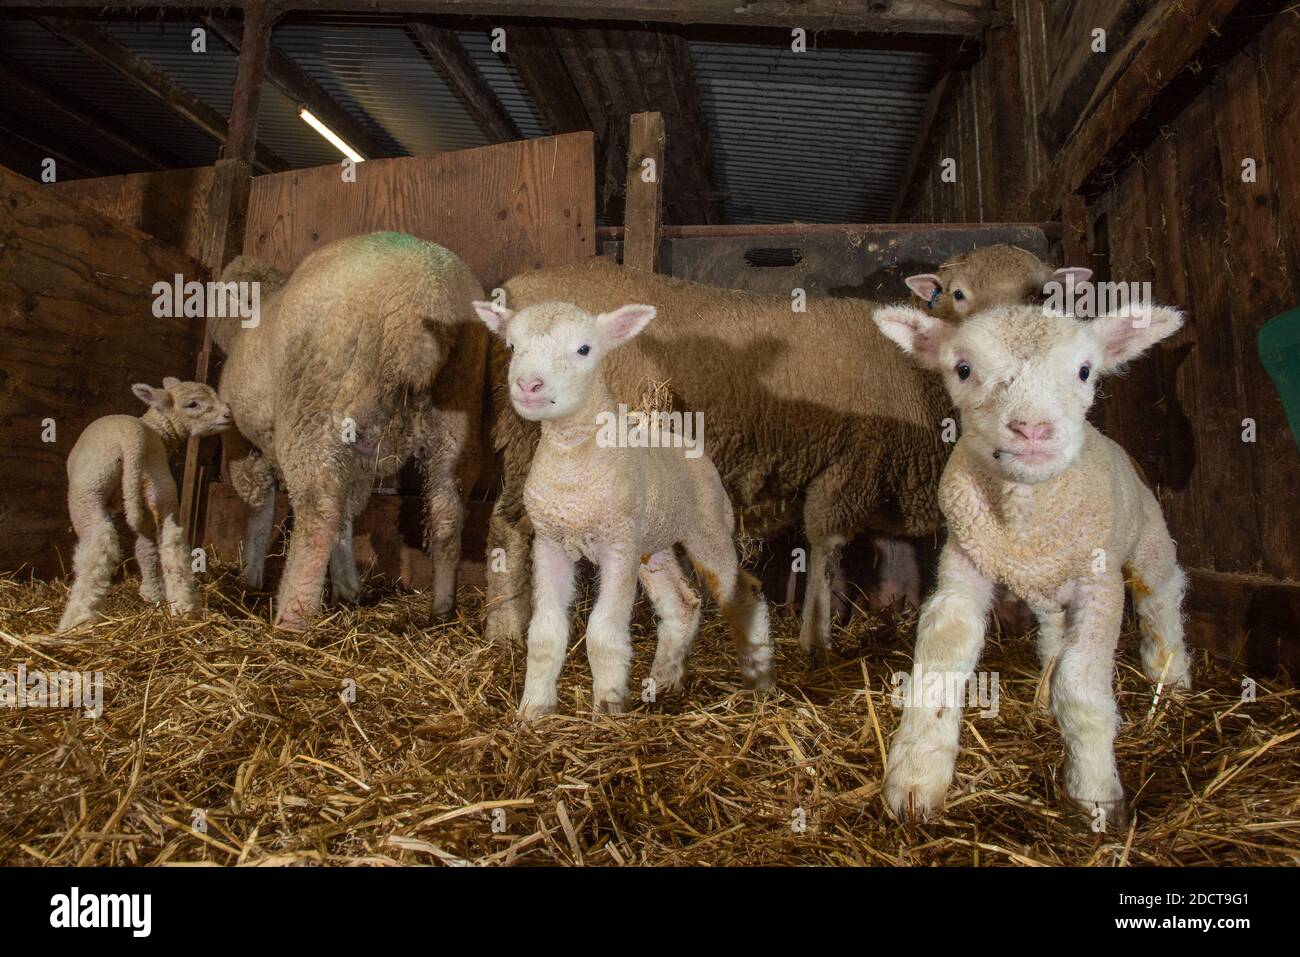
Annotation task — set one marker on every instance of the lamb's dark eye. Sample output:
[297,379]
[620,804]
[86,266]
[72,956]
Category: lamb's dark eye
[963,371]
[1085,370]
[958,295]
[583,350]
[192,404]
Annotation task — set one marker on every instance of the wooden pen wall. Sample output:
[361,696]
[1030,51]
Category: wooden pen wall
[76,330]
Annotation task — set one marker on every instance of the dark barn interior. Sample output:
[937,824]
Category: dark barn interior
[830,146]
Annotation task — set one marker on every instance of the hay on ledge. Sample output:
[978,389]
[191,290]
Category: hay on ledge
[247,727]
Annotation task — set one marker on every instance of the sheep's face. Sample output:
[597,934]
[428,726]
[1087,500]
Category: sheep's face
[1024,380]
[192,406]
[556,350]
[987,277]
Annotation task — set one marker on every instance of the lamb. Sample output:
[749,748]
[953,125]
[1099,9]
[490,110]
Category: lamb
[989,275]
[813,416]
[623,507]
[1039,501]
[119,463]
[366,354]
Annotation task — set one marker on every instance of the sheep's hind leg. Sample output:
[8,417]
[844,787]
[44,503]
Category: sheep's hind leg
[257,539]
[507,609]
[93,563]
[345,581]
[741,602]
[823,569]
[678,609]
[146,556]
[1158,586]
[949,637]
[318,516]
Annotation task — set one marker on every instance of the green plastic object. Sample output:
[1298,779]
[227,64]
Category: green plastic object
[1279,351]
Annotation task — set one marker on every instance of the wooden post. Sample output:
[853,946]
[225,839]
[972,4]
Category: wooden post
[225,217]
[643,206]
[1074,230]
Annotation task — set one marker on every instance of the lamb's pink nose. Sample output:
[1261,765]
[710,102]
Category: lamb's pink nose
[1037,432]
[533,385]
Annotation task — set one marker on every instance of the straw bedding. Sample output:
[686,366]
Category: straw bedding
[428,766]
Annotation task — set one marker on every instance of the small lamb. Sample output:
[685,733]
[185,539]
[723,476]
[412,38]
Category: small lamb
[623,508]
[120,464]
[989,275]
[1037,500]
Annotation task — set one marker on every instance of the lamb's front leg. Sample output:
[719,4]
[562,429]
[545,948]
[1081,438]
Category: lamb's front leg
[1083,700]
[609,630]
[548,631]
[949,637]
[257,539]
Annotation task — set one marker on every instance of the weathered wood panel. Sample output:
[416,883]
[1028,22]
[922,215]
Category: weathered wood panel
[76,330]
[502,208]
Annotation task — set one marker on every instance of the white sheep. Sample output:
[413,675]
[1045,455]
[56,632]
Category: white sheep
[622,506]
[368,352]
[1037,500]
[119,463]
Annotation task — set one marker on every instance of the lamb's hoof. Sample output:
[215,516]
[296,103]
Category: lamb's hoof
[530,709]
[346,593]
[666,678]
[254,582]
[152,594]
[816,647]
[916,783]
[74,620]
[184,609]
[293,623]
[759,683]
[610,705]
[442,615]
[1104,817]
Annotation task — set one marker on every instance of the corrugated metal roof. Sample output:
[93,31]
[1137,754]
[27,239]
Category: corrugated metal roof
[369,64]
[53,60]
[504,81]
[819,136]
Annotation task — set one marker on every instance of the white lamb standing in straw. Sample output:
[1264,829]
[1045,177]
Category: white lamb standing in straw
[1037,500]
[623,508]
[120,464]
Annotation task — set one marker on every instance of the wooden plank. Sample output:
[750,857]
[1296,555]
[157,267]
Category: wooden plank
[1260,287]
[92,41]
[168,204]
[250,69]
[534,55]
[444,50]
[294,82]
[1279,52]
[1249,620]
[1176,37]
[533,197]
[643,209]
[934,104]
[958,17]
[76,318]
[1224,471]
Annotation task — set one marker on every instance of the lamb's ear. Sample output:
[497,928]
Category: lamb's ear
[149,395]
[925,285]
[494,317]
[1128,334]
[625,322]
[917,333]
[1080,274]
[171,382]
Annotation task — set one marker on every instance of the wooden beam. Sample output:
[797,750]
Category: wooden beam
[41,144]
[1186,40]
[643,208]
[22,86]
[294,82]
[533,53]
[444,49]
[960,17]
[254,48]
[89,39]
[933,105]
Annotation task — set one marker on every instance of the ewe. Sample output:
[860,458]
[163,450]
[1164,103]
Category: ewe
[120,464]
[1039,501]
[624,508]
[368,352]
